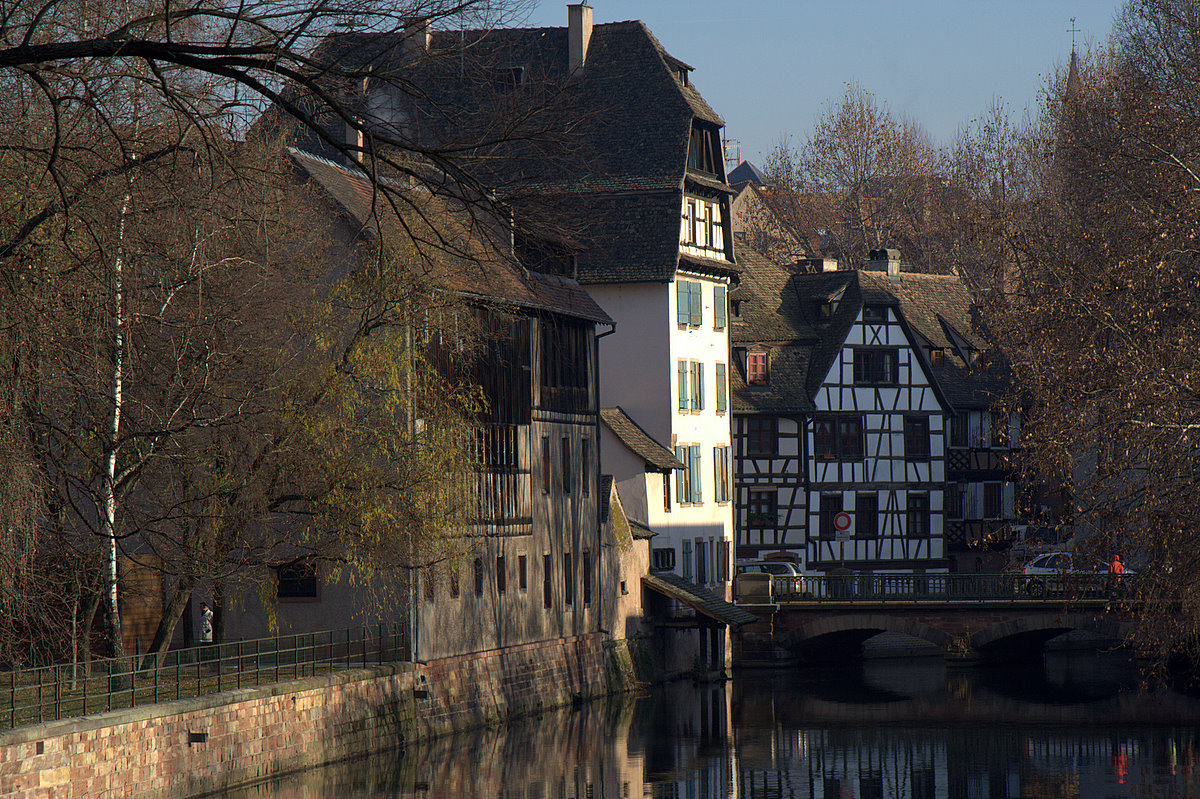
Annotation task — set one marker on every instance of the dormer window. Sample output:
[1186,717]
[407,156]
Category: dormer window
[874,313]
[826,309]
[704,149]
[937,356]
[757,369]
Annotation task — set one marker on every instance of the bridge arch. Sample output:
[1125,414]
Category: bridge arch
[844,631]
[1041,627]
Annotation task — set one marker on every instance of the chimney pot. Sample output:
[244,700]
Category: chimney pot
[579,33]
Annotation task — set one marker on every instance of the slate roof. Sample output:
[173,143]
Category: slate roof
[780,311]
[624,124]
[699,598]
[747,172]
[638,441]
[770,316]
[486,277]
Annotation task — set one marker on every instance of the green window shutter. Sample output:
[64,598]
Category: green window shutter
[697,386]
[683,304]
[683,385]
[694,470]
[719,307]
[721,387]
[695,304]
[680,474]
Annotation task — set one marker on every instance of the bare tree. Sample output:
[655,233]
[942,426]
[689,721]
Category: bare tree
[120,126]
[862,180]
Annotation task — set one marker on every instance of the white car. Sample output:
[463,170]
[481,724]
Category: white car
[787,580]
[1066,572]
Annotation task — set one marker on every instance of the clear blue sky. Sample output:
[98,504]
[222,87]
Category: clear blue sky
[769,66]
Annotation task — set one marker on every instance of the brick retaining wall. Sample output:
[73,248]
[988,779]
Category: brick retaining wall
[196,746]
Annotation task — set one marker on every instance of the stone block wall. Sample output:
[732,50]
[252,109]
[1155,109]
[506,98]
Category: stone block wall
[196,746]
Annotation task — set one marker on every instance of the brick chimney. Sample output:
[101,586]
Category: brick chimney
[579,33]
[887,260]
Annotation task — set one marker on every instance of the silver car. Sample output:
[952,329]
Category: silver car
[1065,572]
[787,580]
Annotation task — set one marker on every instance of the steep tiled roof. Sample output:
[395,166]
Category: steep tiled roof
[639,530]
[940,307]
[613,136]
[780,311]
[770,314]
[639,442]
[699,598]
[486,277]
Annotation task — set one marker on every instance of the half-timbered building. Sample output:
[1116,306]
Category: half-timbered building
[848,391]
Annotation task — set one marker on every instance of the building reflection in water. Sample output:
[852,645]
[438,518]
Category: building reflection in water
[901,730]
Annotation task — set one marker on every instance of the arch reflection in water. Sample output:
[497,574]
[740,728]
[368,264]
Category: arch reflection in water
[903,730]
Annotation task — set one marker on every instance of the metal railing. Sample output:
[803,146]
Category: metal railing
[31,696]
[948,588]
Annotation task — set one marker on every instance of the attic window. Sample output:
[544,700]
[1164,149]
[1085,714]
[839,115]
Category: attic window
[735,309]
[508,78]
[681,75]
[757,373]
[703,149]
[874,313]
[937,356]
[826,309]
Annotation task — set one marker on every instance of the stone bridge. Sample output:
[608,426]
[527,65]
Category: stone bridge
[1010,629]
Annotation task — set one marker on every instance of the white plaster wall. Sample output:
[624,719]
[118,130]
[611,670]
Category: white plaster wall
[636,370]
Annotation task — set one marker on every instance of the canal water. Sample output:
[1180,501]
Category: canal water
[883,729]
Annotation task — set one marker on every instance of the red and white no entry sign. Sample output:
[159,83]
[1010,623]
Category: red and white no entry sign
[841,521]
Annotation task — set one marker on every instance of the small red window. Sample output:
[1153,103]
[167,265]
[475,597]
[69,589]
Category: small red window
[756,369]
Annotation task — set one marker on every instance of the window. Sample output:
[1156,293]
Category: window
[454,580]
[722,391]
[704,149]
[721,474]
[838,438]
[547,581]
[691,385]
[566,465]
[545,464]
[876,366]
[501,576]
[689,303]
[993,500]
[760,511]
[429,582]
[478,576]
[937,357]
[958,431]
[1000,432]
[585,475]
[918,515]
[762,435]
[757,369]
[667,492]
[565,365]
[701,562]
[587,578]
[723,564]
[831,505]
[694,474]
[954,500]
[568,580]
[916,437]
[683,484]
[687,560]
[297,580]
[719,306]
[522,574]
[866,515]
[874,313]
[664,559]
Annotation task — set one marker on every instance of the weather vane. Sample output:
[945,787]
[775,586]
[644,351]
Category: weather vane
[1073,30]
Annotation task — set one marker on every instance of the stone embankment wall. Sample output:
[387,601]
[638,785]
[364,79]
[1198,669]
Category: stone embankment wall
[196,746]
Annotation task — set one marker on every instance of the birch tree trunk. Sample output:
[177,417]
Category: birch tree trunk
[108,479]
